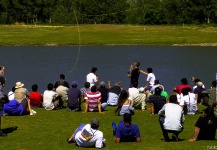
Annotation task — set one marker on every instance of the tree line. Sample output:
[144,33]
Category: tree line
[108,11]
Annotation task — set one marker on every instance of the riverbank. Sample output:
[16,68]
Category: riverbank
[39,35]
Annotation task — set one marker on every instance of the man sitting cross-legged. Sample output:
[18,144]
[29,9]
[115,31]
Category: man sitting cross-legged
[126,131]
[171,119]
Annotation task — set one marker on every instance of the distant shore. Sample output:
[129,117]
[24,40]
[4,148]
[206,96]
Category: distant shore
[100,34]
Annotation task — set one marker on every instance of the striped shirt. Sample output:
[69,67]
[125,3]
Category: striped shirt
[92,98]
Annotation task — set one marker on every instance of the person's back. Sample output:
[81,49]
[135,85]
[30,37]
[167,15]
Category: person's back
[126,131]
[20,92]
[35,97]
[157,101]
[62,90]
[104,92]
[61,80]
[74,97]
[173,115]
[190,101]
[113,95]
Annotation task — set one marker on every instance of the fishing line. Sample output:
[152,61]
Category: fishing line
[79,33]
[79,44]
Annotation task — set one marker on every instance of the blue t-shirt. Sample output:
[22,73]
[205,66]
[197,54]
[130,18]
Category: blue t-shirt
[13,108]
[127,133]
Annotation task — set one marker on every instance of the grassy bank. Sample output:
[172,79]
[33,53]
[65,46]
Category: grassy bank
[49,130]
[15,35]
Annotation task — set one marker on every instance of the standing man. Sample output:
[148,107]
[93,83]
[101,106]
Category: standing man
[150,78]
[173,120]
[134,73]
[92,78]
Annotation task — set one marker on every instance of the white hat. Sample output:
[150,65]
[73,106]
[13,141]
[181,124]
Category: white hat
[19,85]
[141,89]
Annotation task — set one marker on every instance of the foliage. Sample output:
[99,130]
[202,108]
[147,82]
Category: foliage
[108,11]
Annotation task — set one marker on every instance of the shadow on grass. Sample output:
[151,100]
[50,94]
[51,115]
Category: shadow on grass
[9,129]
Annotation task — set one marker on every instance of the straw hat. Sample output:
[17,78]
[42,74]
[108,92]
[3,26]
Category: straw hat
[19,85]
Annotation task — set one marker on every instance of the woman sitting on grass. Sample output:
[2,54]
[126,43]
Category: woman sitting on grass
[206,126]
[123,104]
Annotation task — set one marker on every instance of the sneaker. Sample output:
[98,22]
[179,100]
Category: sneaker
[69,141]
[34,112]
[114,126]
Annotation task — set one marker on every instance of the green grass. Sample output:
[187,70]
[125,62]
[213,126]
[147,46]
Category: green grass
[15,35]
[49,130]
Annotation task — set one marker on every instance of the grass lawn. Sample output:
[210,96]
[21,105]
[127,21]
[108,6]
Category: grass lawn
[20,35]
[49,130]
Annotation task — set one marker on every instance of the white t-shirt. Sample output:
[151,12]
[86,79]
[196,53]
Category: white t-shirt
[47,99]
[151,79]
[191,102]
[11,95]
[132,91]
[91,78]
[96,140]
[173,116]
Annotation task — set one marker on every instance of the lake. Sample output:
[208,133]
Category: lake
[42,65]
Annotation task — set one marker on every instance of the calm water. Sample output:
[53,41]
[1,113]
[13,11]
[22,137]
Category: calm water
[43,65]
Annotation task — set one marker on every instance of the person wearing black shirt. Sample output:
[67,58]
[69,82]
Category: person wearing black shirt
[134,73]
[206,126]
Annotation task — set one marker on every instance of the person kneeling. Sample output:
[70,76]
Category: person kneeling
[126,131]
[88,135]
[173,120]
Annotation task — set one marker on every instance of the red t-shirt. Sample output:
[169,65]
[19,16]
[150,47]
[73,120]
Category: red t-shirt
[35,99]
[179,88]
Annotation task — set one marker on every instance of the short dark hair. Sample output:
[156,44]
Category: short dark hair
[93,88]
[149,70]
[173,99]
[94,69]
[34,87]
[87,84]
[157,91]
[62,76]
[184,81]
[185,91]
[127,117]
[50,86]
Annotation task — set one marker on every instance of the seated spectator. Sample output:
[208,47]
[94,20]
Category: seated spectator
[184,84]
[211,100]
[124,104]
[35,97]
[62,90]
[85,89]
[126,131]
[51,99]
[74,98]
[21,94]
[62,79]
[113,94]
[198,91]
[11,94]
[104,92]
[188,102]
[156,84]
[206,126]
[138,100]
[193,79]
[133,90]
[88,135]
[171,119]
[156,101]
[92,100]
[14,108]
